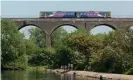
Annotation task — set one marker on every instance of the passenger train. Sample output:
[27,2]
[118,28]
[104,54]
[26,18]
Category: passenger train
[80,14]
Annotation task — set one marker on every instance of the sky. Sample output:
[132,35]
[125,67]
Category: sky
[29,9]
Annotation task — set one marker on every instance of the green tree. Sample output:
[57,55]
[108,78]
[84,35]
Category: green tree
[30,47]
[38,37]
[63,56]
[116,54]
[13,46]
[57,36]
[83,42]
[42,57]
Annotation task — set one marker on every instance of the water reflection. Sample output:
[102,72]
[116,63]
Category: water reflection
[28,75]
[38,75]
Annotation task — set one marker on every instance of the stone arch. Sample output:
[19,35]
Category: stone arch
[32,25]
[64,25]
[107,28]
[59,33]
[111,26]
[40,29]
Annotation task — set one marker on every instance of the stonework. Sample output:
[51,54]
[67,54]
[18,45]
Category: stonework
[48,25]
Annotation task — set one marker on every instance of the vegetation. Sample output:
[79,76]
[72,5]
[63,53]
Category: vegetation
[38,37]
[112,53]
[13,46]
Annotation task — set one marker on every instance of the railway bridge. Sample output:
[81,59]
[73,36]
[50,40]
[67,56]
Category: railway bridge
[48,25]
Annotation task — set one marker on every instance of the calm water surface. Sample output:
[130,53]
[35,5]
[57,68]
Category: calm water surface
[36,75]
[28,75]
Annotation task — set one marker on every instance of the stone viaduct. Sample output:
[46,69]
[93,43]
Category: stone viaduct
[48,25]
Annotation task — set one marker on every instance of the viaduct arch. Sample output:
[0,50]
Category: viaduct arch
[48,25]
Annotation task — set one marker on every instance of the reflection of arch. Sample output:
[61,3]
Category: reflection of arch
[64,25]
[108,25]
[32,25]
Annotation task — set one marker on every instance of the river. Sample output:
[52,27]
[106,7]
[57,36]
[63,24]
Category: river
[36,75]
[28,75]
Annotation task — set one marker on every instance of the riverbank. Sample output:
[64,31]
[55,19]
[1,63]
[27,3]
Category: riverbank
[96,75]
[41,68]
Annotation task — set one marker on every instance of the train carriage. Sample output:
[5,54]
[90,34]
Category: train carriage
[70,14]
[93,14]
[58,14]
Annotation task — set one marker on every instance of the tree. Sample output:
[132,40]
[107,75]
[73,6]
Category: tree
[83,42]
[30,47]
[57,35]
[38,37]
[116,54]
[63,56]
[13,47]
[43,56]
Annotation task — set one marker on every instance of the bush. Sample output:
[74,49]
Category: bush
[42,57]
[62,57]
[130,72]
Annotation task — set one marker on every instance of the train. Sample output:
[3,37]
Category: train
[75,14]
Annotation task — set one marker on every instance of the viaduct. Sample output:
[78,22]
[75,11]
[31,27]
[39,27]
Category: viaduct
[48,25]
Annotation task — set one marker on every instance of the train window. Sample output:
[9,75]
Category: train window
[107,14]
[81,13]
[84,13]
[72,13]
[65,13]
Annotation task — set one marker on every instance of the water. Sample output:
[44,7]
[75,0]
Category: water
[28,75]
[37,75]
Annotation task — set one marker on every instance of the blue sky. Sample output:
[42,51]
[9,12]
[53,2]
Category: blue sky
[32,9]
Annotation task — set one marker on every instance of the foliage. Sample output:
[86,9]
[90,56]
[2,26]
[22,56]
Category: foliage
[63,57]
[56,37]
[83,42]
[78,60]
[130,72]
[116,56]
[42,57]
[38,36]
[111,52]
[13,47]
[30,47]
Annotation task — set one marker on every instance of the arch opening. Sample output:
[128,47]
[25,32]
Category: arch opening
[131,28]
[60,32]
[34,34]
[68,27]
[102,29]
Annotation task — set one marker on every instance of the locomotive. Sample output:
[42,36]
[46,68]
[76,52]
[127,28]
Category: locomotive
[79,14]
